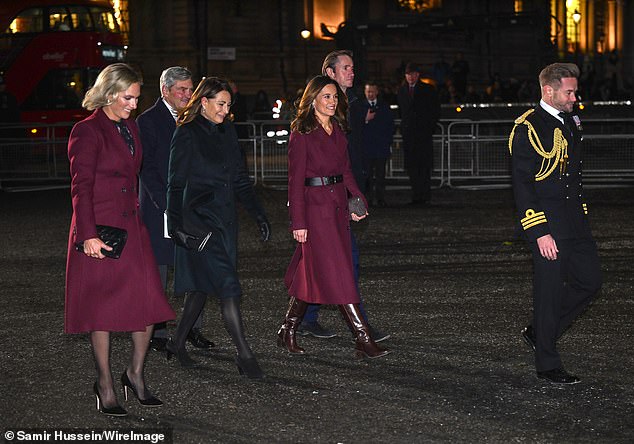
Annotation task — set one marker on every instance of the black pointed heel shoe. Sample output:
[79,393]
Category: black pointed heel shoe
[117,410]
[250,368]
[150,401]
[182,356]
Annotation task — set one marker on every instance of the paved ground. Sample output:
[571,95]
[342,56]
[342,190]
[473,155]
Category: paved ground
[448,282]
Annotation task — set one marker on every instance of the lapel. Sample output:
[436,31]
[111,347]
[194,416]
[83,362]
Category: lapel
[166,116]
[115,141]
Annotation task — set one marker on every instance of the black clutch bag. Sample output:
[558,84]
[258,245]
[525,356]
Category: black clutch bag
[357,206]
[113,237]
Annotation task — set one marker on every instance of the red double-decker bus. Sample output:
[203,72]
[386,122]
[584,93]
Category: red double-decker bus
[51,52]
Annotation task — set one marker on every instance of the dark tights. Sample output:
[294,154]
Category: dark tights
[231,315]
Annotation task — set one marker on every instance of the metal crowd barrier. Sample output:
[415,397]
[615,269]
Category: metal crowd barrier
[466,153]
[478,153]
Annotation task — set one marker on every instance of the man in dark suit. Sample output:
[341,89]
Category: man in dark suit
[420,110]
[375,134]
[545,145]
[157,125]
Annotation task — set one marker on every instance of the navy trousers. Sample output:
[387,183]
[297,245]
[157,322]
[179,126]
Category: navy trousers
[562,289]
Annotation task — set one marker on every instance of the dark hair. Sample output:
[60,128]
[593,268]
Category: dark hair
[412,67]
[305,122]
[208,87]
[553,73]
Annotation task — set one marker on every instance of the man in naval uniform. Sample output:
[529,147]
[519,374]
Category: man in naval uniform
[545,146]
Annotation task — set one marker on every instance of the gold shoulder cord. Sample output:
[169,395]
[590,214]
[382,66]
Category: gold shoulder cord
[557,156]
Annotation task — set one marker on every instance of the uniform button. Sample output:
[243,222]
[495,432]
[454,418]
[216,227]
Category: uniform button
[225,185]
[567,174]
[123,190]
[567,197]
[124,214]
[567,185]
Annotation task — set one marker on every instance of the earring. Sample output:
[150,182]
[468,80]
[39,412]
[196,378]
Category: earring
[203,109]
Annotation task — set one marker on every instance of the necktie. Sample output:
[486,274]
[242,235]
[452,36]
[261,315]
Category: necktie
[127,136]
[411,91]
[372,104]
[568,122]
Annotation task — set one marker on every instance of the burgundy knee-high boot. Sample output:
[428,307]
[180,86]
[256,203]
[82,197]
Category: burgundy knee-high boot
[365,345]
[286,335]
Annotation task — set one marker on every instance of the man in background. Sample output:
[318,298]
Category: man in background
[420,110]
[375,134]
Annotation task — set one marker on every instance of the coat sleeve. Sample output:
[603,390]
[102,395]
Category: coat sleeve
[150,174]
[297,156]
[387,125]
[180,158]
[242,186]
[531,215]
[84,146]
[349,180]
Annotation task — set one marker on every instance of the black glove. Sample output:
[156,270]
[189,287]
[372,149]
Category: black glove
[181,238]
[265,228]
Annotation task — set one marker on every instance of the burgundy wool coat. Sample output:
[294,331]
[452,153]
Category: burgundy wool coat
[321,269]
[122,294]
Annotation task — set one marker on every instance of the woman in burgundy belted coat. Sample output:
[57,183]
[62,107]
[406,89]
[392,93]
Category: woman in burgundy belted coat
[319,183]
[103,294]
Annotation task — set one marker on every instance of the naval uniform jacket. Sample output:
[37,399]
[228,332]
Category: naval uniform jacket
[548,202]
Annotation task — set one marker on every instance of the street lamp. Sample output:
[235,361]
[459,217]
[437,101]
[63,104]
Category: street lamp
[305,33]
[576,17]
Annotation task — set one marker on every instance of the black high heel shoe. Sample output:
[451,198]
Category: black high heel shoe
[250,368]
[181,354]
[151,401]
[117,410]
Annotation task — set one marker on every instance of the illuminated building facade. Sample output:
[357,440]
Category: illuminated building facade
[259,44]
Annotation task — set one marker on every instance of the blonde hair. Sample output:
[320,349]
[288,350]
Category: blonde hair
[111,81]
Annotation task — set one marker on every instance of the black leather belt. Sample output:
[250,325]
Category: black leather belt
[321,181]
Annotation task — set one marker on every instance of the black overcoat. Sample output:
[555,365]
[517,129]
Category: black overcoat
[207,173]
[157,127]
[419,115]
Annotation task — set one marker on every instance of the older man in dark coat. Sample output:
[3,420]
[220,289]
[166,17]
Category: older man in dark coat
[157,125]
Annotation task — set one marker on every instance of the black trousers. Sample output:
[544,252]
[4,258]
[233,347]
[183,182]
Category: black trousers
[419,163]
[562,289]
[376,178]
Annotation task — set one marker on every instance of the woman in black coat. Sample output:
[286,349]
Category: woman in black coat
[206,173]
